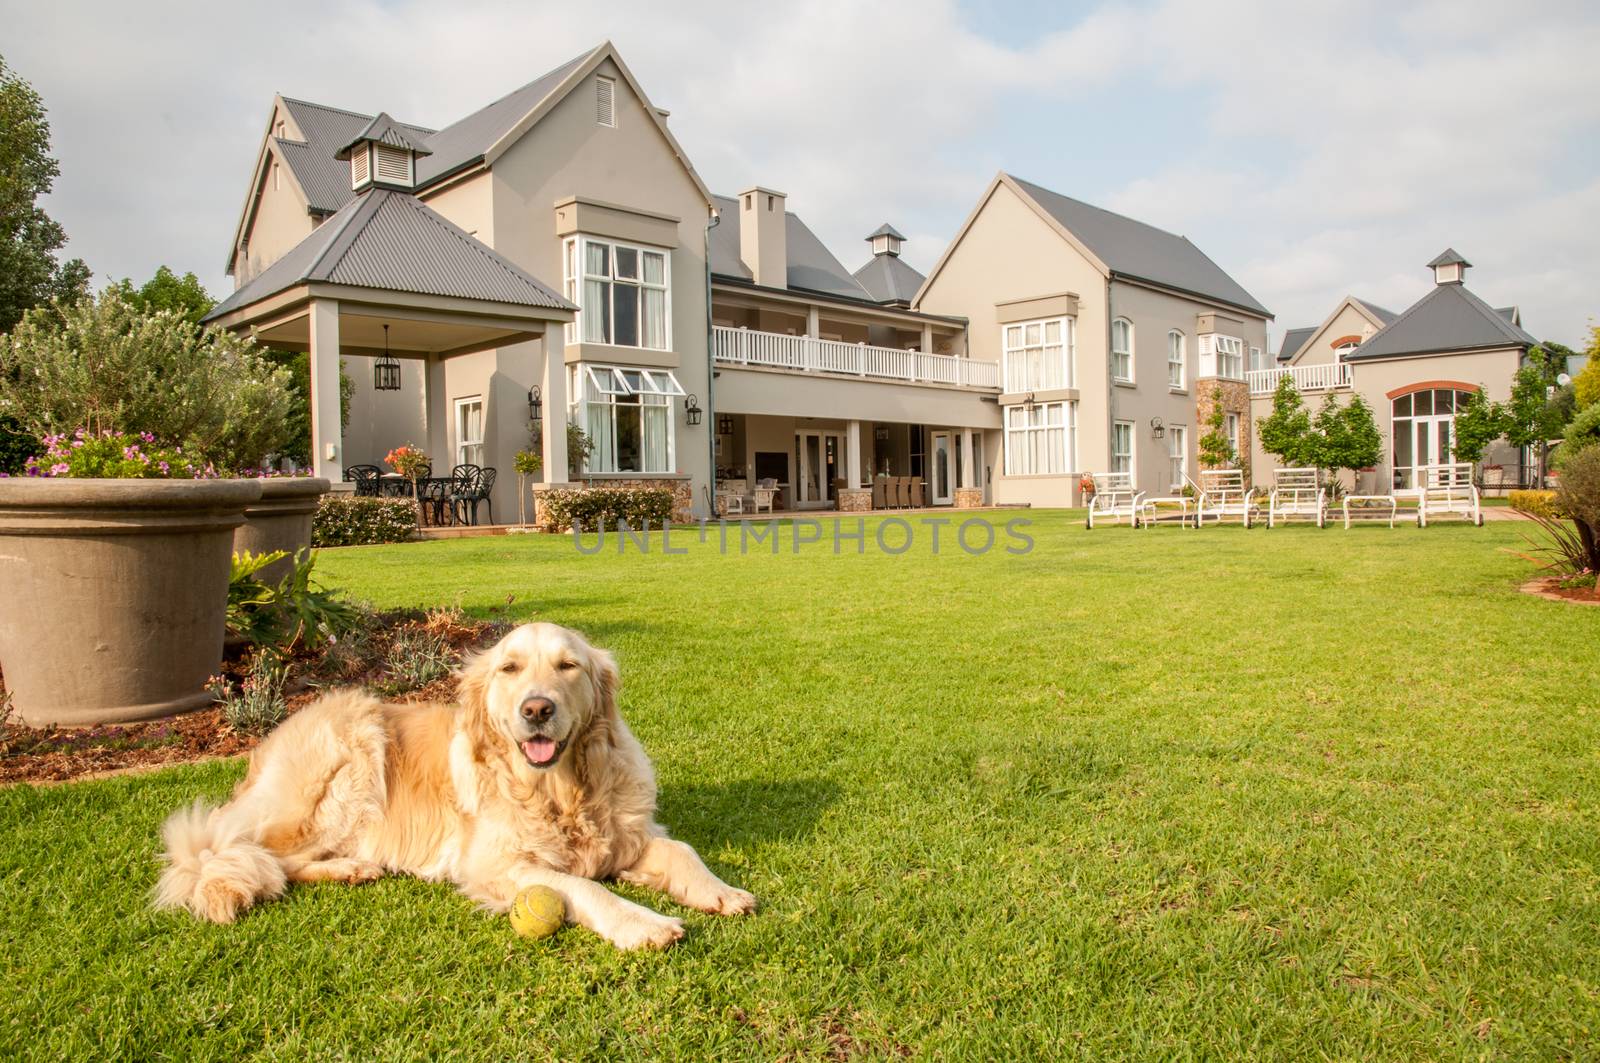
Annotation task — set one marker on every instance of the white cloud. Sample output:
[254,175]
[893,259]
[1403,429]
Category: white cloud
[1341,145]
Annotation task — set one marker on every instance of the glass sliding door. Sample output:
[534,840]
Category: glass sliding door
[942,482]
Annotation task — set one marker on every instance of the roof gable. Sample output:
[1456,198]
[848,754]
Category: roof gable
[391,240]
[327,130]
[1448,318]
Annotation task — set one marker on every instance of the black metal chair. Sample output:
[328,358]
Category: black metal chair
[472,488]
[435,500]
[367,478]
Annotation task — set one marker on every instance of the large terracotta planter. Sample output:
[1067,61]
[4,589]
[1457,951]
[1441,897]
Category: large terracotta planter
[115,594]
[280,520]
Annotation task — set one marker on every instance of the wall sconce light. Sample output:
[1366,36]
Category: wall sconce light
[535,405]
[725,425]
[1157,429]
[691,410]
[385,370]
[880,433]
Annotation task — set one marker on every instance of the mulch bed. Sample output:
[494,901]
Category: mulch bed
[1550,587]
[62,754]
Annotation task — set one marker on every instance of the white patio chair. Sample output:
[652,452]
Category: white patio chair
[1447,489]
[1222,494]
[1297,493]
[762,495]
[1114,496]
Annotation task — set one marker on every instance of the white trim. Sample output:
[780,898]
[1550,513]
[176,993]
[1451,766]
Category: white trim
[1133,449]
[1127,350]
[1027,339]
[1181,361]
[605,101]
[1021,427]
[462,443]
[576,280]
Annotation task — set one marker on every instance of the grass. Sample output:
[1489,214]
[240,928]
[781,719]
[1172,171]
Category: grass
[1288,794]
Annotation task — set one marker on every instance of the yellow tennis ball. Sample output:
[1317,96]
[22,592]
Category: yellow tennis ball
[537,912]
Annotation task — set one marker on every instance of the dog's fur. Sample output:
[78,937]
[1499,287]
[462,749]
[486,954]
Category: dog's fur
[350,789]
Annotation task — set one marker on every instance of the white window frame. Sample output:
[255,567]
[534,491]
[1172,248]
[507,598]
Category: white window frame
[575,277]
[1177,456]
[1124,461]
[1230,422]
[605,102]
[1177,360]
[1025,349]
[462,442]
[619,388]
[1345,350]
[1257,360]
[1028,431]
[1123,352]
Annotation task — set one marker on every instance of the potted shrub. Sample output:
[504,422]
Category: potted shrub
[280,520]
[117,550]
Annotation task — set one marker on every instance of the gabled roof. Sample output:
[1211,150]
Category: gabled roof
[1449,257]
[810,267]
[314,160]
[385,130]
[1136,251]
[888,279]
[1448,318]
[1293,340]
[1385,317]
[390,240]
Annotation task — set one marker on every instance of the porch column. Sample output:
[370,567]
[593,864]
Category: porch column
[967,467]
[813,322]
[327,431]
[927,339]
[437,415]
[554,394]
[852,456]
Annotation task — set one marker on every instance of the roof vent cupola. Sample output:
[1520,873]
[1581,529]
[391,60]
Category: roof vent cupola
[384,154]
[886,240]
[1449,267]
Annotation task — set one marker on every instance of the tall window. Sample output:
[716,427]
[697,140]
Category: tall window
[1230,356]
[1256,360]
[627,415]
[1122,350]
[469,431]
[1177,353]
[1122,446]
[1231,422]
[1039,354]
[1177,456]
[1424,431]
[621,291]
[1040,440]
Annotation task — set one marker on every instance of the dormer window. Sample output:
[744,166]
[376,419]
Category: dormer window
[361,166]
[393,166]
[385,153]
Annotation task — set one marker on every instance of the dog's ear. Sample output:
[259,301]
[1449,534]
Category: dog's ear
[472,689]
[607,681]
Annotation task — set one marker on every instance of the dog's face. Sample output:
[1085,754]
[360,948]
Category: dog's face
[540,687]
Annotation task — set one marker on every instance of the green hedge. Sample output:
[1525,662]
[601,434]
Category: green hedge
[344,520]
[641,507]
[1540,503]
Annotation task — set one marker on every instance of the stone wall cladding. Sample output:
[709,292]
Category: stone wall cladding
[969,498]
[855,499]
[1235,397]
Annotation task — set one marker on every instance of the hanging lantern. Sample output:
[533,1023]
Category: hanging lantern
[691,410]
[386,371]
[535,406]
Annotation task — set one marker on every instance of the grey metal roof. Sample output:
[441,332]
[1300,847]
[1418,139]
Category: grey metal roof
[1448,257]
[888,279]
[1510,313]
[385,130]
[811,266]
[392,241]
[1138,251]
[1293,340]
[324,179]
[1449,318]
[1385,316]
[885,230]
[464,142]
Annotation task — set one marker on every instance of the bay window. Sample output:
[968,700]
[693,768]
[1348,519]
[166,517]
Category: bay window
[627,415]
[622,293]
[1039,355]
[1222,356]
[1041,439]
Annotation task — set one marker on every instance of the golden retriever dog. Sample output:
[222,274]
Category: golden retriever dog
[533,779]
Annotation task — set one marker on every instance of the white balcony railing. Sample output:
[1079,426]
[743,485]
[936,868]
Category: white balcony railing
[803,354]
[1324,376]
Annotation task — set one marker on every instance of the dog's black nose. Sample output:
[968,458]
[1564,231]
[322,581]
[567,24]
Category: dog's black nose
[538,710]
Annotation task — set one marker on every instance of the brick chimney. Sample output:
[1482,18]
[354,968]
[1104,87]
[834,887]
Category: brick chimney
[763,236]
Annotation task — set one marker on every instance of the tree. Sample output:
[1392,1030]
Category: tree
[100,364]
[1216,449]
[1586,385]
[1539,407]
[30,275]
[1345,437]
[1284,432]
[1478,423]
[168,291]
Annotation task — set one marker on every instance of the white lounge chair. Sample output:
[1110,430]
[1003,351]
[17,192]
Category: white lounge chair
[1447,489]
[1222,494]
[1114,496]
[1297,493]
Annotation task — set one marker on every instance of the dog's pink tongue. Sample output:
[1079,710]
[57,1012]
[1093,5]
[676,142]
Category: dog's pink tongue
[539,750]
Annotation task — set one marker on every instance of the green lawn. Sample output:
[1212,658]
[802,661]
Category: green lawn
[1290,794]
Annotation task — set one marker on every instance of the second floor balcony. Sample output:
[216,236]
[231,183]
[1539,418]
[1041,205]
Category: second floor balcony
[1323,376]
[807,354]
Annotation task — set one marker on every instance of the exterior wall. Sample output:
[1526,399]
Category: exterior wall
[1234,397]
[470,204]
[633,166]
[1010,253]
[383,420]
[280,222]
[502,377]
[778,393]
[1347,322]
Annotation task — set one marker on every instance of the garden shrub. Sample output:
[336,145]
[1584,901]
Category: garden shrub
[114,456]
[344,520]
[640,507]
[1540,502]
[1578,499]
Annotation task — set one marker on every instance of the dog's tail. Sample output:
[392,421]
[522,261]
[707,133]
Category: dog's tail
[212,869]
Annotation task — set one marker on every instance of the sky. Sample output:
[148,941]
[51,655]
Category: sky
[1311,149]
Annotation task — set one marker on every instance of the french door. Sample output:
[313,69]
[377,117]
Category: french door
[946,460]
[1421,441]
[818,461]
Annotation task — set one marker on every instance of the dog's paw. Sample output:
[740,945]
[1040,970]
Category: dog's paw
[644,929]
[362,873]
[726,900]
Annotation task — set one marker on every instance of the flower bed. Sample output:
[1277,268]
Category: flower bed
[342,520]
